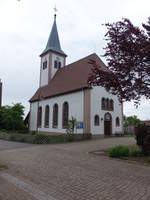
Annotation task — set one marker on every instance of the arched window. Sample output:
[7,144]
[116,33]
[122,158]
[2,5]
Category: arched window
[55,116]
[117,121]
[103,103]
[65,115]
[39,117]
[107,104]
[111,104]
[47,116]
[96,120]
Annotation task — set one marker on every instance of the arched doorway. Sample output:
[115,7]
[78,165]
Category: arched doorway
[107,124]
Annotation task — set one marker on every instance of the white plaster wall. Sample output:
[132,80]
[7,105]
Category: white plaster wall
[75,101]
[33,116]
[96,95]
[54,57]
[44,73]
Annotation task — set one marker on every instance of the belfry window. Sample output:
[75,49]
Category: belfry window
[57,63]
[44,65]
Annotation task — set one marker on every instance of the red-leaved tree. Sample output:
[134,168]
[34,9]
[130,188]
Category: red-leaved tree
[128,56]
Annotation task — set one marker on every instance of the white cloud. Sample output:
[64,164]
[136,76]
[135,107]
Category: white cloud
[142,111]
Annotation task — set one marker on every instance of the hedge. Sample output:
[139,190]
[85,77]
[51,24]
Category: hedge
[125,151]
[119,151]
[42,138]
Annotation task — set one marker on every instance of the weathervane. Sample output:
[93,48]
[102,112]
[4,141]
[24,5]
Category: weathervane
[55,10]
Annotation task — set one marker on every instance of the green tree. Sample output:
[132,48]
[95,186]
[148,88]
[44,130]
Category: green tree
[12,117]
[131,121]
[71,125]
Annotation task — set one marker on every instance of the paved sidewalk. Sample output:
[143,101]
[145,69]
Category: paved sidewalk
[68,172]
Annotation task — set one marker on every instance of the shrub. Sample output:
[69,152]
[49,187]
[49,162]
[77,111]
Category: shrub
[119,151]
[87,136]
[24,130]
[4,135]
[70,138]
[40,138]
[148,159]
[34,132]
[136,153]
[21,137]
[16,137]
[142,133]
[71,125]
[78,137]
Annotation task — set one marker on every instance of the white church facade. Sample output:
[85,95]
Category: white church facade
[64,93]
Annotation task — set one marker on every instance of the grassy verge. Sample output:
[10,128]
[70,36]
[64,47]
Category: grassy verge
[125,151]
[2,167]
[42,138]
[131,153]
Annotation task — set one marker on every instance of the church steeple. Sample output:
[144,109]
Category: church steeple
[52,58]
[53,43]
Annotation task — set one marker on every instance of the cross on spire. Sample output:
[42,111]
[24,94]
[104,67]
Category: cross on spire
[53,43]
[55,10]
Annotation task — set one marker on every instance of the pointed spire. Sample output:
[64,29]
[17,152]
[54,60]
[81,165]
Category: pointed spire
[53,43]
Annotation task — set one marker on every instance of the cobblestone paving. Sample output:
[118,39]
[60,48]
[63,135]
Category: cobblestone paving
[10,192]
[69,172]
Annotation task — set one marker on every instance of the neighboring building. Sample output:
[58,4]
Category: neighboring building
[146,122]
[64,92]
[0,93]
[129,130]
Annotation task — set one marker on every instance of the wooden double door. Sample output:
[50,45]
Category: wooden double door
[107,124]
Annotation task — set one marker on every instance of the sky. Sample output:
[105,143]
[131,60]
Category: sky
[25,26]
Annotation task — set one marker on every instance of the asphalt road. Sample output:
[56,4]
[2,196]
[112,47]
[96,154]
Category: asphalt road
[6,145]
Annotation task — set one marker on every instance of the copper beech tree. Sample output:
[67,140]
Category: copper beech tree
[128,56]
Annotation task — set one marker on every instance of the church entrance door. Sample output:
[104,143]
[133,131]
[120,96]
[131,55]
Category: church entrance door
[107,124]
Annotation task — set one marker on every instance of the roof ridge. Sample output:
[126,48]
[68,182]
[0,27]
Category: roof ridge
[94,54]
[69,78]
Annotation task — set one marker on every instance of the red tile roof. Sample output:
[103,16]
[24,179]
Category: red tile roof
[70,78]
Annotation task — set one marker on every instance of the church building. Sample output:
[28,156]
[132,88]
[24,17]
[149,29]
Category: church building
[64,93]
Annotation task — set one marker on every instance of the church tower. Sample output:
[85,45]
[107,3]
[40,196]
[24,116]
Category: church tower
[52,58]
